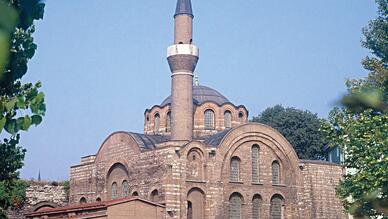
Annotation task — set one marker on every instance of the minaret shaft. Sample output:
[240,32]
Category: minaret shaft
[182,58]
[183,29]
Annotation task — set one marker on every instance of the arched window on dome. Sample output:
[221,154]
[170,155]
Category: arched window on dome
[255,164]
[228,119]
[168,122]
[235,169]
[157,123]
[235,205]
[125,187]
[241,117]
[209,119]
[82,201]
[155,196]
[114,191]
[275,173]
[276,209]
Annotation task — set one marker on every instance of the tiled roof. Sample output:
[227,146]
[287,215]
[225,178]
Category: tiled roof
[148,142]
[215,140]
[89,206]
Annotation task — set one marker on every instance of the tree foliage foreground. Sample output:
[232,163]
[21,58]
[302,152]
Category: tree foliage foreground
[360,127]
[21,104]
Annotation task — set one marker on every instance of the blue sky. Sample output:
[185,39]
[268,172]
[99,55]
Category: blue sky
[103,63]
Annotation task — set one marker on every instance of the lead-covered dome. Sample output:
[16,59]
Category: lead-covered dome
[202,94]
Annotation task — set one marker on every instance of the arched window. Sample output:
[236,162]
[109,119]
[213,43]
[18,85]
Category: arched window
[135,194]
[157,122]
[255,164]
[196,199]
[82,200]
[235,169]
[228,119]
[155,196]
[168,121]
[189,210]
[114,190]
[235,203]
[275,172]
[125,187]
[241,117]
[98,199]
[276,210]
[209,119]
[256,206]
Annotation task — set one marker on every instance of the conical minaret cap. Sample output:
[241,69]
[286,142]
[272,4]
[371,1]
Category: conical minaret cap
[184,7]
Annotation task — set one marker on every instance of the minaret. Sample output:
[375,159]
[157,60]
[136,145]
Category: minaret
[182,58]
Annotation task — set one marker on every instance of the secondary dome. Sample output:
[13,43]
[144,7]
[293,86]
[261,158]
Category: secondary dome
[202,94]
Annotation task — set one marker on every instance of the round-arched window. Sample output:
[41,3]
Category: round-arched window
[209,119]
[168,122]
[241,117]
[114,191]
[157,123]
[228,119]
[125,189]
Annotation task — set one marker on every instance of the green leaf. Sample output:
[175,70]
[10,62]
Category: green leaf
[20,103]
[36,120]
[2,123]
[10,105]
[11,126]
[26,123]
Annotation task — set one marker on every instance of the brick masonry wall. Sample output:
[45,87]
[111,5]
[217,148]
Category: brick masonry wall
[191,171]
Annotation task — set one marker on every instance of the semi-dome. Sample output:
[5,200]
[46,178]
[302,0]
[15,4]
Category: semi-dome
[202,94]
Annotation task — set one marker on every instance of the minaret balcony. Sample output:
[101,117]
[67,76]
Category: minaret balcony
[183,49]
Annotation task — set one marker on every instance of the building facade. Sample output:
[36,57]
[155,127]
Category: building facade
[200,158]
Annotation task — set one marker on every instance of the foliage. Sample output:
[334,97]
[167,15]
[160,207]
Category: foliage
[66,187]
[12,195]
[300,128]
[11,158]
[360,127]
[21,105]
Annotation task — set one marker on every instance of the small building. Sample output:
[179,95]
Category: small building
[128,208]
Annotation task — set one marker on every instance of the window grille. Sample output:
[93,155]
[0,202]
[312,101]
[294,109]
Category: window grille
[276,208]
[256,207]
[235,207]
[125,189]
[235,169]
[255,164]
[228,119]
[114,190]
[209,119]
[275,173]
[157,123]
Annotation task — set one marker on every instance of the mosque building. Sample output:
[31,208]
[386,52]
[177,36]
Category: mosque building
[199,158]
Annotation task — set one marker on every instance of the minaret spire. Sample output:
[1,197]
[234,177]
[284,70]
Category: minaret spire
[182,58]
[184,7]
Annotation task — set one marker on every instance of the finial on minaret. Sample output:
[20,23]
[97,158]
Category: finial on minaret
[196,80]
[184,7]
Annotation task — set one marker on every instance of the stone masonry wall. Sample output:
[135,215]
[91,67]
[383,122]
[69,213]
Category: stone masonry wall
[40,193]
[319,197]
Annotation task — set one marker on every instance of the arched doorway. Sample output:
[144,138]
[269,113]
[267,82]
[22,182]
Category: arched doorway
[196,204]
